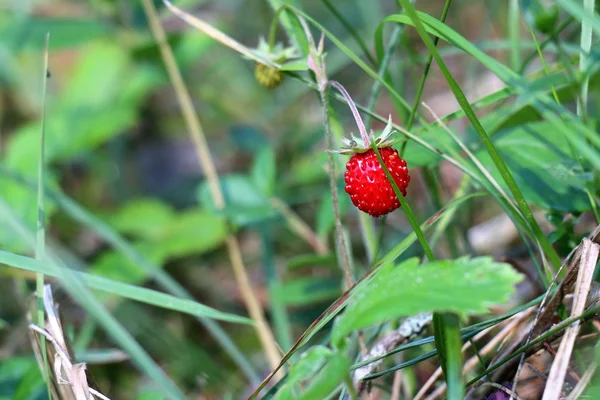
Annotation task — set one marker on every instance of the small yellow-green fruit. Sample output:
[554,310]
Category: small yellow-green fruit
[546,20]
[268,77]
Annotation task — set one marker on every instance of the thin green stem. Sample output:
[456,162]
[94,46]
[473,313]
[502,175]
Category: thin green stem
[355,35]
[514,33]
[407,210]
[586,46]
[494,155]
[339,234]
[40,247]
[545,43]
[419,95]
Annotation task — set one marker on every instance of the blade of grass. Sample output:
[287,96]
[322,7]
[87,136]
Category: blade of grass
[514,33]
[76,288]
[445,325]
[555,329]
[581,13]
[350,29]
[336,307]
[163,279]
[417,101]
[141,294]
[586,46]
[40,245]
[495,156]
[204,156]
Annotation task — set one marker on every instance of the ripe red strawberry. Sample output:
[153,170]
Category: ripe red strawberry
[366,181]
[367,185]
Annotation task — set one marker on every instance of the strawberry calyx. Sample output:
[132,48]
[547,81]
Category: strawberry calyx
[277,54]
[355,145]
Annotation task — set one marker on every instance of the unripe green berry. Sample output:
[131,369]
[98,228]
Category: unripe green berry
[545,21]
[268,77]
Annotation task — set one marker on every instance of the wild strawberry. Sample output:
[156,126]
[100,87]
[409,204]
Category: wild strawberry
[367,184]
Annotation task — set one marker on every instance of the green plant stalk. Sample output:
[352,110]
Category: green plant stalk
[445,325]
[495,156]
[372,242]
[205,160]
[545,43]
[446,329]
[586,46]
[348,26]
[339,234]
[350,387]
[40,246]
[514,33]
[163,279]
[286,22]
[417,101]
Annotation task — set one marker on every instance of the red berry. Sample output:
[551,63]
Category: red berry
[367,184]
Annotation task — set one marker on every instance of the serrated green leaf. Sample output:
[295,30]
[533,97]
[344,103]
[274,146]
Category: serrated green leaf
[538,156]
[464,286]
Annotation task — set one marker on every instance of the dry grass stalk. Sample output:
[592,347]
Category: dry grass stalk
[206,162]
[589,258]
[67,380]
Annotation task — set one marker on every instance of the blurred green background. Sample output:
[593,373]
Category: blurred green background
[117,146]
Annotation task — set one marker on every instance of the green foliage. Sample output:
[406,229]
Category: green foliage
[540,158]
[161,235]
[21,379]
[305,291]
[245,203]
[408,288]
[110,107]
[324,368]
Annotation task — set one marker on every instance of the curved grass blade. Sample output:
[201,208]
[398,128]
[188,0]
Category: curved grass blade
[76,288]
[496,158]
[336,307]
[163,279]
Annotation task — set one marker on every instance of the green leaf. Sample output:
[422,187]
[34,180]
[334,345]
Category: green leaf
[325,215]
[28,33]
[115,265]
[329,378]
[54,267]
[193,232]
[144,218]
[305,291]
[538,156]
[263,171]
[418,156]
[326,368]
[245,204]
[464,286]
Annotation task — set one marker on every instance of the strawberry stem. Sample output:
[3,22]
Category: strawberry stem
[357,118]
